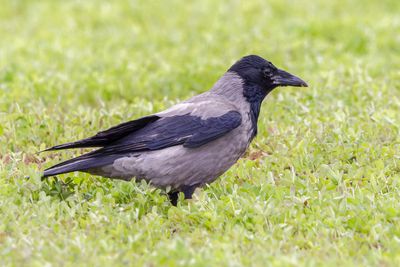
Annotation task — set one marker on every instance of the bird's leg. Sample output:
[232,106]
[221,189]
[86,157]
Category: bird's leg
[173,197]
[188,191]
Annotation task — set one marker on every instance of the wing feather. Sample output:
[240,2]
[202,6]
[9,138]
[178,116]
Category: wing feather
[108,136]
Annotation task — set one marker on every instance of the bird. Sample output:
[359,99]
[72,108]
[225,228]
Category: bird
[190,144]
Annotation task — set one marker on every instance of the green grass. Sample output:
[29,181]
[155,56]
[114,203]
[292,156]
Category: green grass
[320,185]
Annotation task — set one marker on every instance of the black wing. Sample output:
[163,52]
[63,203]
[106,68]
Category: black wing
[187,130]
[110,135]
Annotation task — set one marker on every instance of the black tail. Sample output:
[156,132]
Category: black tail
[81,163]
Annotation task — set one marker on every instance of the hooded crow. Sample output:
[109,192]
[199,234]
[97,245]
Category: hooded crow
[190,144]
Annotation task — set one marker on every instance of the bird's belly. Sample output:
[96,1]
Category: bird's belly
[178,166]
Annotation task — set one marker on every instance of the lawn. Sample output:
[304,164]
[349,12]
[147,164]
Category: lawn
[320,184]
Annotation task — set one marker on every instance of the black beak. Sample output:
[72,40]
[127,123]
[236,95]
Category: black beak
[283,78]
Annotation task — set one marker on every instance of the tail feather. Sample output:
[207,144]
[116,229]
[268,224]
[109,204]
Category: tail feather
[81,163]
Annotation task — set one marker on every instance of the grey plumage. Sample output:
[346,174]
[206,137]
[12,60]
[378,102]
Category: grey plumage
[190,144]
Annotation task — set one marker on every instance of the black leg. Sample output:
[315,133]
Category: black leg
[173,197]
[189,190]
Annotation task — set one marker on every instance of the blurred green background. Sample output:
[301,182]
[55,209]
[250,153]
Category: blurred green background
[319,185]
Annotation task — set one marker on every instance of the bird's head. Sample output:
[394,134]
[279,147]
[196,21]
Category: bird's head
[255,70]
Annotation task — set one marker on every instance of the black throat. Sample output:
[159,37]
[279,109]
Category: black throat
[254,94]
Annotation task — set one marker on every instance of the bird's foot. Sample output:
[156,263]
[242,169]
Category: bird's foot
[187,191]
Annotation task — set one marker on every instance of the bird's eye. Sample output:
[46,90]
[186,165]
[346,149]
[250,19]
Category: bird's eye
[267,72]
